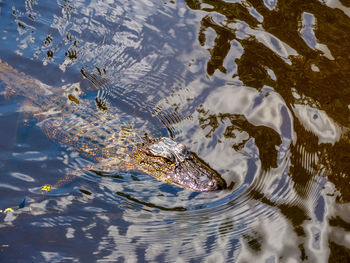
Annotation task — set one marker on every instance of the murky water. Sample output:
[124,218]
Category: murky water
[260,90]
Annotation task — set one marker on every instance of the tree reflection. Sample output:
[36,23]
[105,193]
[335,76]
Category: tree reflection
[311,72]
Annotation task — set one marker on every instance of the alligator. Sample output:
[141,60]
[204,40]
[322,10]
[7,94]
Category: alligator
[65,115]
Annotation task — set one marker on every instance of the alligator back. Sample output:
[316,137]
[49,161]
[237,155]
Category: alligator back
[65,115]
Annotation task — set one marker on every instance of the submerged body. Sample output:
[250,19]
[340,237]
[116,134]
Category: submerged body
[66,116]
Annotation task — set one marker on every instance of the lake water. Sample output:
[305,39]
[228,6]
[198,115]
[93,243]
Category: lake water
[259,90]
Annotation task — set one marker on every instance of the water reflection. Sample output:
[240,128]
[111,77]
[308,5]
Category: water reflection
[305,64]
[258,89]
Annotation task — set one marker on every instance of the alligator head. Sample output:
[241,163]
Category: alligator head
[171,162]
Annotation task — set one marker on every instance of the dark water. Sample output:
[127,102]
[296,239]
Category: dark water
[260,90]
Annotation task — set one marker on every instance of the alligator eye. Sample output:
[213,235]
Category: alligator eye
[182,148]
[168,161]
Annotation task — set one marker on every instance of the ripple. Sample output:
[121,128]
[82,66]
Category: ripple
[30,156]
[24,177]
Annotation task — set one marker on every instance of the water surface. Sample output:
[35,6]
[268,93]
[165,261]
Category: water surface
[260,90]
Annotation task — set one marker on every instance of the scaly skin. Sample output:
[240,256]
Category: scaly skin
[67,117]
